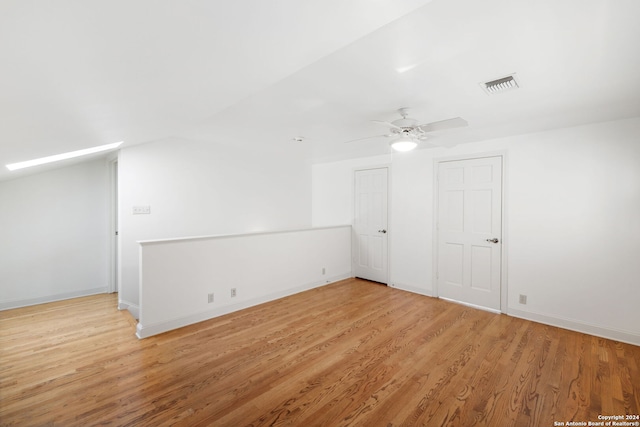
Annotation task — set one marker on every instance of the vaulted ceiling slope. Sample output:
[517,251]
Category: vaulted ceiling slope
[78,74]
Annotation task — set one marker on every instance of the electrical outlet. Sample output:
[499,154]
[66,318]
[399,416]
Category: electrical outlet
[210,298]
[324,271]
[523,299]
[233,292]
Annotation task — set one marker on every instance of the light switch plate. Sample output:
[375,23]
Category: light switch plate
[142,210]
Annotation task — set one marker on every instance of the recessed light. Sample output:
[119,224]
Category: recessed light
[63,156]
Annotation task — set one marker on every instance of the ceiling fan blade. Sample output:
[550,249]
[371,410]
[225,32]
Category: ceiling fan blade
[391,125]
[429,140]
[444,124]
[367,137]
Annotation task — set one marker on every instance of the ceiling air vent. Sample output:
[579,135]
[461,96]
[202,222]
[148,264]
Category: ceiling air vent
[503,84]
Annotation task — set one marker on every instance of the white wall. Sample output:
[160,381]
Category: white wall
[203,188]
[572,225]
[410,212]
[178,275]
[55,235]
[332,189]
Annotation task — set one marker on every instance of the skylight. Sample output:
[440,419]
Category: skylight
[63,156]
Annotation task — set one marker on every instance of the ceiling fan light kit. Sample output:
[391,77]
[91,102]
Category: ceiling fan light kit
[404,144]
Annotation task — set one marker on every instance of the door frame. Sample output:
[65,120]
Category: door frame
[114,241]
[386,166]
[505,238]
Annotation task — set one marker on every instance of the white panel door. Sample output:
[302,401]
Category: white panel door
[370,225]
[469,226]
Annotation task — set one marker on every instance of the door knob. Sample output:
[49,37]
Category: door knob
[382,231]
[494,240]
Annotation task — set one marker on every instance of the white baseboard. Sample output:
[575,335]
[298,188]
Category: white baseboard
[411,288]
[572,325]
[158,328]
[585,328]
[8,305]
[134,309]
[477,307]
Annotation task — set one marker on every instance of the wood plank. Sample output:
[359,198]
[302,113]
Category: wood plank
[350,353]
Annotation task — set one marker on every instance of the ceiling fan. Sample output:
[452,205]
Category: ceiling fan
[407,133]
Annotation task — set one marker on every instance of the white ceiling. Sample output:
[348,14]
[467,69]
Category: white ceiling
[257,73]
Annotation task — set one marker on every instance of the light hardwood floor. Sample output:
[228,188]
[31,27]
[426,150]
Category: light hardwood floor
[350,353]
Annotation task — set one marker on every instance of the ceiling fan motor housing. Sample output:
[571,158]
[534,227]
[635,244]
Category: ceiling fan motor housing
[405,123]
